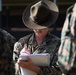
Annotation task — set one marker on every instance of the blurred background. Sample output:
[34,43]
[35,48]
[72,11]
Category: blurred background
[11,16]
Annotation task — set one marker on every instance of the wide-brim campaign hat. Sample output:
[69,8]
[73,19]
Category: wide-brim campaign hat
[40,14]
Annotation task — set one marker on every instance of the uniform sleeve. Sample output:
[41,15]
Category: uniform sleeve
[18,46]
[17,49]
[6,53]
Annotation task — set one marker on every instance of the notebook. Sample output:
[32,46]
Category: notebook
[38,59]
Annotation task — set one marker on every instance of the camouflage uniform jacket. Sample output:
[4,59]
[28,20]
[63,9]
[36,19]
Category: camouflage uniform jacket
[49,45]
[6,53]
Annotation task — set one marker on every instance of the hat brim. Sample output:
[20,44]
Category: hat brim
[31,24]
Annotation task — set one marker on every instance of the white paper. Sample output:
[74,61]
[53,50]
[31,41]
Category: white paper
[37,59]
[27,72]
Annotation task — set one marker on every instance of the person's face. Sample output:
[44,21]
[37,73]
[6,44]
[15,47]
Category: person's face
[41,32]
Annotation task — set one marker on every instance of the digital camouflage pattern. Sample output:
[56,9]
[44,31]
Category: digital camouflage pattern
[49,45]
[67,50]
[6,53]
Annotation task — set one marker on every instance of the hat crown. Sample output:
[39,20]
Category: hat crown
[39,12]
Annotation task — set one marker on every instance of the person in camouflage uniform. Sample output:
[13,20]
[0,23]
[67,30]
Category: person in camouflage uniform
[67,49]
[41,41]
[49,45]
[6,53]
